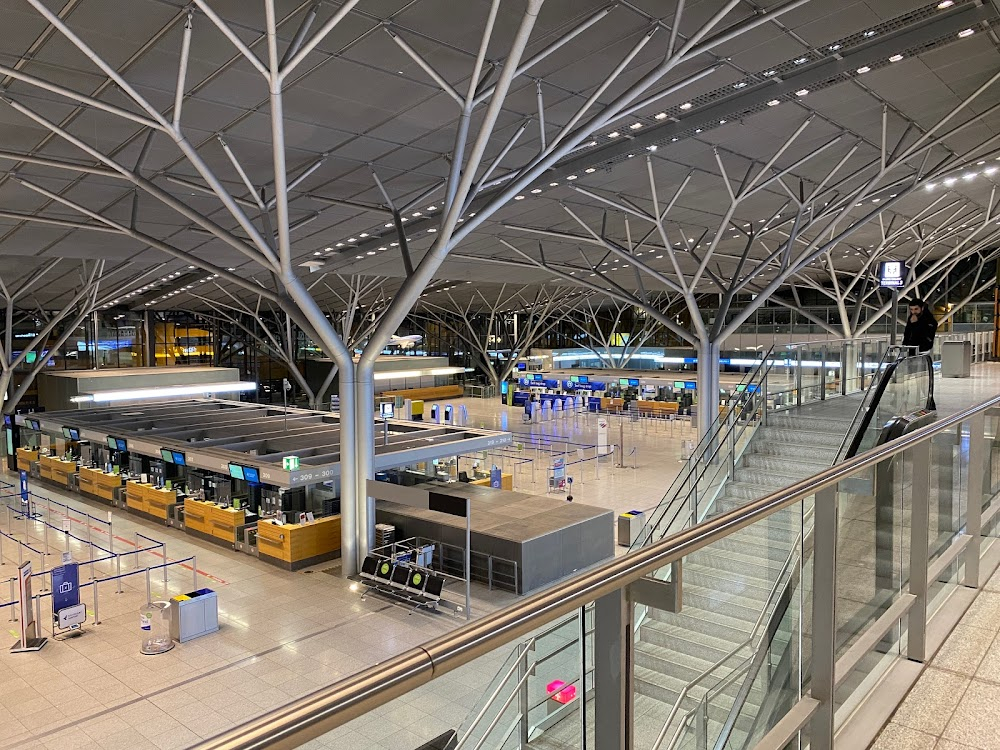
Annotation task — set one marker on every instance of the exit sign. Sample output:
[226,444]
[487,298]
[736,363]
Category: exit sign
[290,463]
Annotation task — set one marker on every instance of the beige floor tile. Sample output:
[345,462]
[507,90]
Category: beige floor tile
[898,737]
[931,701]
[976,721]
[964,650]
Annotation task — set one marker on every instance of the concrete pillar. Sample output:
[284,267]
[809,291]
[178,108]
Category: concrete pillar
[708,386]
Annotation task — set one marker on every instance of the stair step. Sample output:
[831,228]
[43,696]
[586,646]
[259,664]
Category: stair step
[721,582]
[762,571]
[737,606]
[816,438]
[801,466]
[699,645]
[697,623]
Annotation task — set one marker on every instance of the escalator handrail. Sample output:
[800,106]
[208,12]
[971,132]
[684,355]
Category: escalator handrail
[884,378]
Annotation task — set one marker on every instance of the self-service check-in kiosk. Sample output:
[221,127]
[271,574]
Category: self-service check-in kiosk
[449,411]
[557,407]
[435,413]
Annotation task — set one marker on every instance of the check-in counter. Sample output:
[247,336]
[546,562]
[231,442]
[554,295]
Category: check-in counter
[506,482]
[225,521]
[299,545]
[25,458]
[56,469]
[198,516]
[144,498]
[158,501]
[99,484]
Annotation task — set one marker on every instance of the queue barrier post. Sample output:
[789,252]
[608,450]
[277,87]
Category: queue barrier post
[118,567]
[97,611]
[13,598]
[194,573]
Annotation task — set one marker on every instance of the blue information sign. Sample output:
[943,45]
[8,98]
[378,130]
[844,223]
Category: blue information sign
[24,486]
[495,478]
[65,586]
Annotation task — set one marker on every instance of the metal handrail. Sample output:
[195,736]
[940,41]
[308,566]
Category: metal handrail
[330,707]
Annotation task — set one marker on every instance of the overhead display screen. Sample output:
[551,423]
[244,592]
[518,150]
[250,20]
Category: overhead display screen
[236,471]
[251,475]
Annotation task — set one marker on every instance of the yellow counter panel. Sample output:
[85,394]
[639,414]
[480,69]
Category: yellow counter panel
[198,516]
[25,458]
[300,545]
[56,470]
[99,484]
[506,482]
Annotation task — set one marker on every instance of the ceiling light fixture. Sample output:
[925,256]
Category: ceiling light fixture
[945,4]
[800,60]
[635,125]
[863,69]
[773,103]
[895,58]
[802,92]
[660,116]
[965,32]
[686,105]
[613,134]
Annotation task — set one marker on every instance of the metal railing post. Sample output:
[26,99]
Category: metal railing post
[149,588]
[701,725]
[522,694]
[118,567]
[920,467]
[97,611]
[822,373]
[798,376]
[824,616]
[163,547]
[613,683]
[194,573]
[974,497]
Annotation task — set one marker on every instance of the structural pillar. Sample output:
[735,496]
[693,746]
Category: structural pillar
[364,406]
[348,474]
[708,386]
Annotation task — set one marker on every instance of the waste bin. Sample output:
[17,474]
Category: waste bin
[194,614]
[154,623]
[629,526]
[956,359]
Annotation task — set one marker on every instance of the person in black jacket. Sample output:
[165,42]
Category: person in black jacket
[920,327]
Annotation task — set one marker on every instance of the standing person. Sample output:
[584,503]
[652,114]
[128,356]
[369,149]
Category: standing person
[920,327]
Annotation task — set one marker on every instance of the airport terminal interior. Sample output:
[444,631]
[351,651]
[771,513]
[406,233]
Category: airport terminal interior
[500,374]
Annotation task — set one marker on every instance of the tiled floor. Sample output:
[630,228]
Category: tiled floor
[285,634]
[955,704]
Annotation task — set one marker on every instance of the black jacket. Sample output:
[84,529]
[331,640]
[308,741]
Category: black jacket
[920,334]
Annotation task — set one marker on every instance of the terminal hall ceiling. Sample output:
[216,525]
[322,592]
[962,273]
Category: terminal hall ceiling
[802,101]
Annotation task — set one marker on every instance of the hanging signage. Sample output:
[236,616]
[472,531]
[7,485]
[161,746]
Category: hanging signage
[891,274]
[290,463]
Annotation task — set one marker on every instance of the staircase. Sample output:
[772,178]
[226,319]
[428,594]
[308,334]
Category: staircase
[727,585]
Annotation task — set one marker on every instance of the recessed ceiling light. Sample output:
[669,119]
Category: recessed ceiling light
[536,191]
[370,252]
[571,177]
[613,134]
[686,105]
[965,32]
[352,239]
[635,125]
[802,92]
[553,184]
[773,103]
[835,47]
[895,58]
[949,181]
[651,148]
[358,257]
[740,85]
[769,72]
[800,60]
[660,116]
[722,122]
[945,4]
[969,176]
[870,33]
[674,139]
[863,69]
[590,170]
